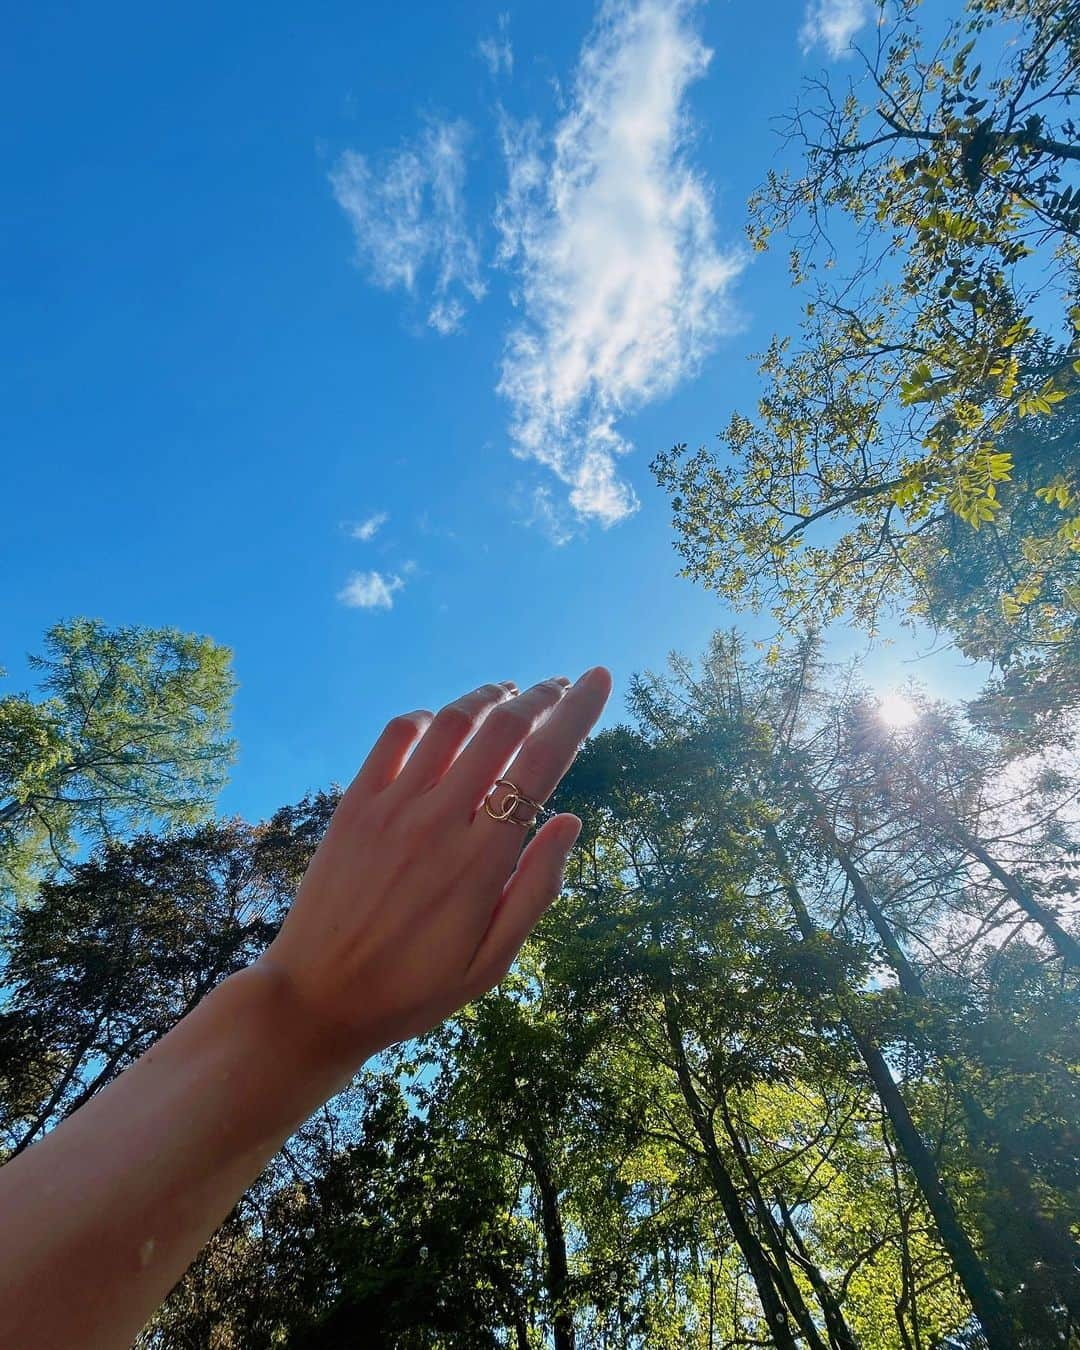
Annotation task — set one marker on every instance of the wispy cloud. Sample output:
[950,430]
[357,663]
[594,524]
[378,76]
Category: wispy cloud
[552,518]
[367,529]
[446,316]
[370,590]
[832,24]
[410,222]
[497,51]
[610,234]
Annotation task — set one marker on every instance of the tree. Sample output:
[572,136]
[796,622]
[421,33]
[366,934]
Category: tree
[387,1228]
[110,957]
[725,999]
[535,1075]
[414,1242]
[787,1064]
[919,443]
[884,872]
[130,729]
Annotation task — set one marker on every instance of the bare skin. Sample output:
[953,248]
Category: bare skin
[415,903]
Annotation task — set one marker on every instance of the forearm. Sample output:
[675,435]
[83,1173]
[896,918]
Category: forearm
[101,1218]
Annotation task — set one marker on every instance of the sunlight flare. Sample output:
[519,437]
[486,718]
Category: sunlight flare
[897,711]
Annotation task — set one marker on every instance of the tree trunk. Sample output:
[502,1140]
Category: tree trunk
[558,1274]
[910,982]
[1057,1249]
[761,1271]
[774,1239]
[840,1334]
[1018,892]
[985,1300]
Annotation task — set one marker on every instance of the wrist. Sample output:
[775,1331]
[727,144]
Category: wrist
[313,1050]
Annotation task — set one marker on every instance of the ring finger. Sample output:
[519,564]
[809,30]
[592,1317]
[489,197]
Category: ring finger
[476,769]
[540,764]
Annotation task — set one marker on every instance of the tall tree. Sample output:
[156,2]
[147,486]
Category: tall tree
[129,728]
[686,922]
[777,728]
[110,957]
[381,1229]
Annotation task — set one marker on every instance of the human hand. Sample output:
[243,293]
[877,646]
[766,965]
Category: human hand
[417,900]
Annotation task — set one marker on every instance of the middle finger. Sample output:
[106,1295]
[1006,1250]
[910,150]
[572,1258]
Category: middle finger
[543,759]
[470,779]
[448,732]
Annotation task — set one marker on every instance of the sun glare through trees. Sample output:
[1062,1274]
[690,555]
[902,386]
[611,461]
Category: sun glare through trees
[897,711]
[794,1058]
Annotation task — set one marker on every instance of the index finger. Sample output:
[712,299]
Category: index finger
[547,754]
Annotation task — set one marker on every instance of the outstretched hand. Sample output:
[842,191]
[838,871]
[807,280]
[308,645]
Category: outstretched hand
[417,900]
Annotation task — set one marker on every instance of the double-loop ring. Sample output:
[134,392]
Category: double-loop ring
[512,798]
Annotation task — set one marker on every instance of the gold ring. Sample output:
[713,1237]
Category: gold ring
[513,797]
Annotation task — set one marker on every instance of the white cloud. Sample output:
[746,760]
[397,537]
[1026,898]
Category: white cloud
[445,316]
[368,529]
[410,222]
[832,24]
[552,518]
[370,590]
[610,235]
[497,51]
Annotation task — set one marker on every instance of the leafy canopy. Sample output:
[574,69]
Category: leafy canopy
[130,728]
[935,219]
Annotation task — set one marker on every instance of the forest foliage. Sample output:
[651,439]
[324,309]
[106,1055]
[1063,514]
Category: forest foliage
[794,1059]
[914,445]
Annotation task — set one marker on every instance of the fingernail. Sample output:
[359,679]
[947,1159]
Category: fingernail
[561,679]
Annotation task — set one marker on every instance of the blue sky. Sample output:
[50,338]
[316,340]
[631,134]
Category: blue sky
[454,272]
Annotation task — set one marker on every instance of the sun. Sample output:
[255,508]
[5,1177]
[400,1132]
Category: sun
[897,711]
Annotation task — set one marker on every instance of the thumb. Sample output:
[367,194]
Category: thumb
[535,883]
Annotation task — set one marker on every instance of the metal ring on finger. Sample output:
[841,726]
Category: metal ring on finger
[511,798]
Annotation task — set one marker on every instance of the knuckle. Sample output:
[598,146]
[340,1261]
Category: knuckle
[405,724]
[512,722]
[455,720]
